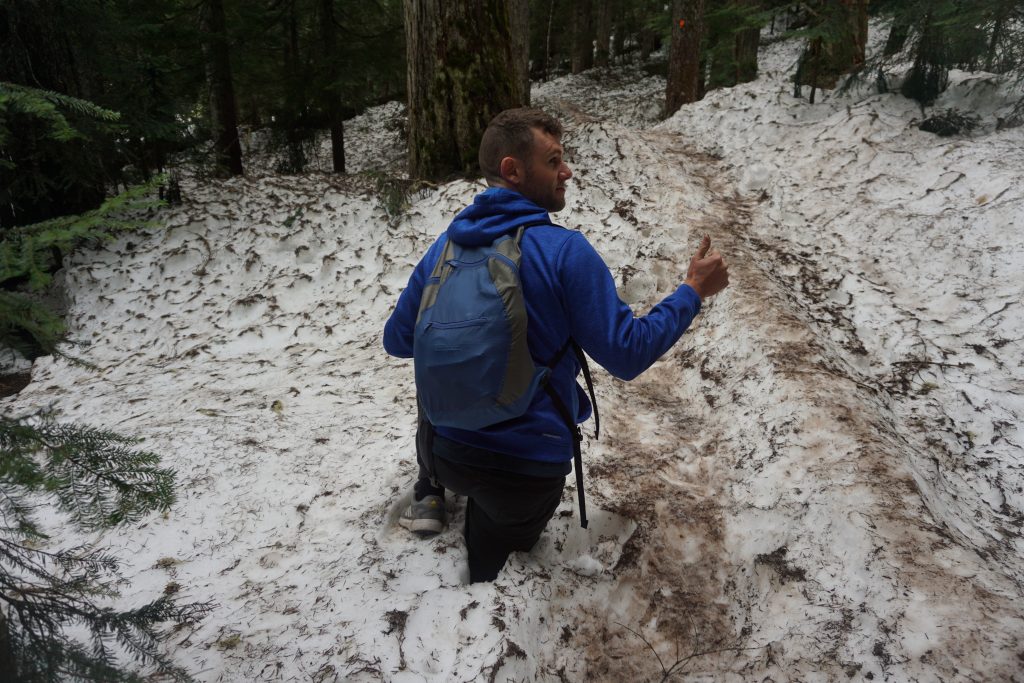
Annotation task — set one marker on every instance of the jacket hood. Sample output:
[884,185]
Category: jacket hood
[493,213]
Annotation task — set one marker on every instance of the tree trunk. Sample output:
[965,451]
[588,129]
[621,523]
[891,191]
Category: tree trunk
[747,42]
[603,33]
[898,33]
[619,36]
[223,116]
[461,70]
[582,35]
[1002,14]
[547,41]
[684,73]
[858,10]
[827,61]
[295,122]
[6,652]
[519,15]
[335,116]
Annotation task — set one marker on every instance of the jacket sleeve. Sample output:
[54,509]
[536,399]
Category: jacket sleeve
[605,326]
[398,330]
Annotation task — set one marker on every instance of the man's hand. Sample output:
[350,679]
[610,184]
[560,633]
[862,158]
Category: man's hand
[707,274]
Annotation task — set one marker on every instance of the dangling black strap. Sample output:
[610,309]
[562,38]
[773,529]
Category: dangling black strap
[570,421]
[590,386]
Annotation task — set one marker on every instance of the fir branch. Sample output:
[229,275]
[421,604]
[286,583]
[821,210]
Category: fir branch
[20,316]
[101,480]
[94,474]
[28,251]
[54,592]
[32,97]
[57,127]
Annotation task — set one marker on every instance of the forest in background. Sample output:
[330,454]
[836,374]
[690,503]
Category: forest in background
[100,97]
[97,98]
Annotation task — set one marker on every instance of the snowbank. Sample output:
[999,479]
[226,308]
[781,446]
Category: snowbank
[821,481]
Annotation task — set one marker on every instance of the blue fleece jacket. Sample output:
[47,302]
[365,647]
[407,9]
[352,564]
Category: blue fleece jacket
[569,292]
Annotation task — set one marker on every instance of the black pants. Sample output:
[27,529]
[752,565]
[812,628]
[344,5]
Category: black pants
[505,511]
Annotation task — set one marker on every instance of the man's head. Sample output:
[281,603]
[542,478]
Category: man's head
[521,150]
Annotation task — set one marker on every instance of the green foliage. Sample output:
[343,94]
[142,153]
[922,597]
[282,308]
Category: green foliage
[98,480]
[726,24]
[45,106]
[94,95]
[285,80]
[36,137]
[938,35]
[95,476]
[27,327]
[30,254]
[836,35]
[392,192]
[638,27]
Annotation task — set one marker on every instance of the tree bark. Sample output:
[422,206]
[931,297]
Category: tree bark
[827,61]
[684,73]
[547,41]
[7,661]
[619,33]
[747,43]
[582,35]
[223,115]
[897,39]
[461,70]
[335,116]
[859,25]
[519,13]
[1002,14]
[603,33]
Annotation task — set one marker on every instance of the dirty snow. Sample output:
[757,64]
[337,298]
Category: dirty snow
[821,481]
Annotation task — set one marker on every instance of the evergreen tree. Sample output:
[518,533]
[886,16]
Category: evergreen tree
[583,30]
[227,150]
[602,32]
[29,255]
[135,57]
[329,92]
[49,167]
[732,38]
[98,480]
[302,66]
[836,33]
[943,34]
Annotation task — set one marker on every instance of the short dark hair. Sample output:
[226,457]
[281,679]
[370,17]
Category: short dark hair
[510,133]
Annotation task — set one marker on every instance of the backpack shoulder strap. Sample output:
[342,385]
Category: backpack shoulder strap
[582,359]
[570,422]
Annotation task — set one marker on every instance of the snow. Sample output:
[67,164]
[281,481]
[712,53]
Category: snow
[821,481]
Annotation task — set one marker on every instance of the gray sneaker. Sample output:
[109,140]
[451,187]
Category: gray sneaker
[425,517]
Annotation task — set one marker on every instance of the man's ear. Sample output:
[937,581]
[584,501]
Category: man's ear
[511,170]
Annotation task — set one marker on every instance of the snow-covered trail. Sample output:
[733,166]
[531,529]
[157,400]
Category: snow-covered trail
[758,507]
[780,527]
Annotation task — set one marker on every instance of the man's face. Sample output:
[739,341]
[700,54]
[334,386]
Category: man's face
[545,173]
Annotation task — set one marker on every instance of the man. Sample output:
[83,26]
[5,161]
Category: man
[513,472]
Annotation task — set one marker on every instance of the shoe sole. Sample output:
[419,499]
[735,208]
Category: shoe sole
[423,527]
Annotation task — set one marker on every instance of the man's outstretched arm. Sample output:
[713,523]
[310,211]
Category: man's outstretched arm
[605,326]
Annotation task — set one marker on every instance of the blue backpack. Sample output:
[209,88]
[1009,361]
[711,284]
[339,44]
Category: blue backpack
[473,367]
